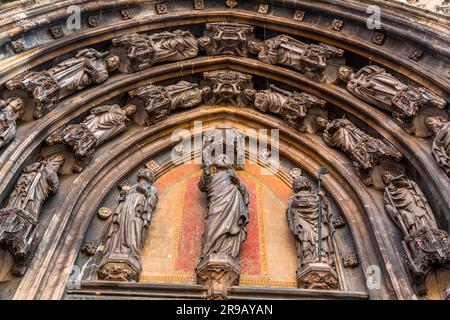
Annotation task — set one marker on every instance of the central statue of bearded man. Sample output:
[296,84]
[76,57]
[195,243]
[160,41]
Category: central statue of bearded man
[227,218]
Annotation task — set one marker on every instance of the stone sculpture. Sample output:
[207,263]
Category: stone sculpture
[228,87]
[127,230]
[441,143]
[9,112]
[20,217]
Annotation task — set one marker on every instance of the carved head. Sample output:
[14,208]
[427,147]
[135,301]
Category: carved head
[322,121]
[435,123]
[129,109]
[222,162]
[17,104]
[387,178]
[203,42]
[206,91]
[301,183]
[255,46]
[112,62]
[250,94]
[56,161]
[146,175]
[345,73]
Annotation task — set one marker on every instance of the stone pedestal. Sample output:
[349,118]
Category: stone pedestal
[18,233]
[118,270]
[218,273]
[317,276]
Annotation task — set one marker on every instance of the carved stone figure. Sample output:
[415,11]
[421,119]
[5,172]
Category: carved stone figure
[228,87]
[441,144]
[102,124]
[226,38]
[302,214]
[19,218]
[365,151]
[128,228]
[224,140]
[225,226]
[9,112]
[426,246]
[310,59]
[160,101]
[381,89]
[141,51]
[46,88]
[292,106]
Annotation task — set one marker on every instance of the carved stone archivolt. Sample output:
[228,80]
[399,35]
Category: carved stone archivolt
[225,226]
[19,219]
[425,245]
[10,110]
[127,230]
[44,89]
[102,124]
[310,59]
[316,269]
[381,89]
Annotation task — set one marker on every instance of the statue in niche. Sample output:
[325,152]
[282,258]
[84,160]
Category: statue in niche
[19,218]
[226,38]
[310,59]
[302,214]
[292,106]
[225,227]
[160,101]
[228,87]
[102,124]
[126,233]
[441,144]
[46,88]
[365,151]
[425,244]
[143,51]
[9,112]
[381,89]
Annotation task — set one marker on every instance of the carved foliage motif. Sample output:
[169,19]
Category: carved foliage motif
[226,38]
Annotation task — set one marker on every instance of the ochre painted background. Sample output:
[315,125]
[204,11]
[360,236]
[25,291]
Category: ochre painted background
[172,248]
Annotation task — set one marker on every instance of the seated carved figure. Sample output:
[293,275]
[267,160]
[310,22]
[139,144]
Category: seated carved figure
[9,112]
[19,218]
[46,88]
[141,51]
[103,123]
[381,89]
[425,244]
[302,214]
[365,151]
[160,101]
[292,106]
[310,59]
[441,144]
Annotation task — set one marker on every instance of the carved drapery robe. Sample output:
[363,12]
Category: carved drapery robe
[407,206]
[302,214]
[364,150]
[7,124]
[106,122]
[130,222]
[227,218]
[184,95]
[441,147]
[174,46]
[271,100]
[74,74]
[34,186]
